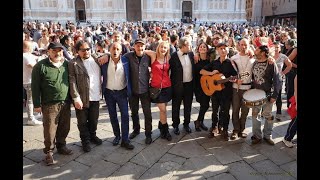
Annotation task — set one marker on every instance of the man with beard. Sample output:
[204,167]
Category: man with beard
[85,89]
[50,92]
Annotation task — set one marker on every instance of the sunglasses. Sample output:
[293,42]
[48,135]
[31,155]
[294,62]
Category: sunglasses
[83,50]
[216,38]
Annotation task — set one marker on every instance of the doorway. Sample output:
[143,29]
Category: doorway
[80,11]
[133,10]
[187,12]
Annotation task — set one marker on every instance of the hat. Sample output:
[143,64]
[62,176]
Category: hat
[54,45]
[139,41]
[222,44]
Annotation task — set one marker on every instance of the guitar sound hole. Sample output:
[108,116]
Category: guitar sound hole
[215,83]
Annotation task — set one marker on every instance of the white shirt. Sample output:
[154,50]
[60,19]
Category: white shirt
[116,79]
[244,64]
[28,59]
[186,65]
[94,73]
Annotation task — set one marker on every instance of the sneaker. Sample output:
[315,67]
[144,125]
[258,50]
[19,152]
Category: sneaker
[38,116]
[34,122]
[269,141]
[278,117]
[288,143]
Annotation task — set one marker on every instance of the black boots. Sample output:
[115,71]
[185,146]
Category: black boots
[164,131]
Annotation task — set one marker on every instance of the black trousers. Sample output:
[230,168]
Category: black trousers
[88,120]
[204,101]
[146,108]
[186,97]
[221,103]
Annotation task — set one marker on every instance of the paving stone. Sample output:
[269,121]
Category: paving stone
[246,152]
[224,155]
[188,147]
[292,152]
[122,155]
[270,170]
[61,160]
[217,142]
[241,170]
[33,132]
[100,170]
[97,153]
[36,155]
[149,155]
[201,166]
[201,137]
[27,163]
[72,170]
[223,176]
[290,168]
[128,171]
[173,158]
[32,145]
[163,171]
[276,155]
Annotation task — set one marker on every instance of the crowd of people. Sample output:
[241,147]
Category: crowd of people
[69,64]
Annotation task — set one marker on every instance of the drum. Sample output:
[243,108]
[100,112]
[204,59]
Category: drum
[254,97]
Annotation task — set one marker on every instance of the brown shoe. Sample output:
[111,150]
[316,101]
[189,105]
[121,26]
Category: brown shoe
[269,141]
[49,159]
[64,150]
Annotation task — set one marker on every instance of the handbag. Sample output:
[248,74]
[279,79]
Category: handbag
[155,92]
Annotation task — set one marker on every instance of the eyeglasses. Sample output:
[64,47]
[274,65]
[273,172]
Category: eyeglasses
[83,50]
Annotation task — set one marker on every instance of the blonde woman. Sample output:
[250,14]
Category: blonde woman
[160,79]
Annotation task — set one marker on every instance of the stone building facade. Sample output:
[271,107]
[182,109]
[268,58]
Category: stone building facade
[135,10]
[271,12]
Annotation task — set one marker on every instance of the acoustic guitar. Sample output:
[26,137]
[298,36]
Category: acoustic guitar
[212,83]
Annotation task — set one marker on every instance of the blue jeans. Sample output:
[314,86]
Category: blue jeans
[292,129]
[118,97]
[256,121]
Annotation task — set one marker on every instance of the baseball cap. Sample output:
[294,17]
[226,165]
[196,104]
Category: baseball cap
[54,45]
[139,41]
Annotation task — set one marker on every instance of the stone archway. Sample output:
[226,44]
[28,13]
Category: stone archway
[187,11]
[80,11]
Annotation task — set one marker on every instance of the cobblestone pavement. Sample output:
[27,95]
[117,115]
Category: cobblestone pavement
[187,156]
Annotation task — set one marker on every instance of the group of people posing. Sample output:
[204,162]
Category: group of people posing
[124,79]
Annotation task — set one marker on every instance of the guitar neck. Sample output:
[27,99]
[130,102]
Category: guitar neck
[225,80]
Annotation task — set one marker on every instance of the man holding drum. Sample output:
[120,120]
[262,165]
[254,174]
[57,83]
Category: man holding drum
[265,77]
[243,63]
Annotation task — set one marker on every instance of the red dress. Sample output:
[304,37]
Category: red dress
[157,70]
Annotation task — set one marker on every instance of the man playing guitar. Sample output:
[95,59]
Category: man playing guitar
[221,98]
